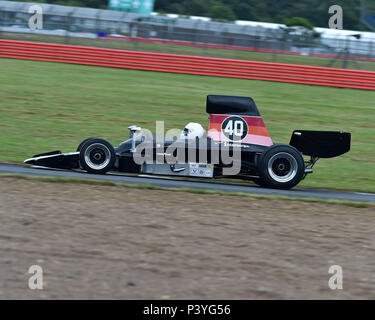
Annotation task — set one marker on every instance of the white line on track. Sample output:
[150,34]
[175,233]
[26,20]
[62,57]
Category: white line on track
[365,194]
[154,177]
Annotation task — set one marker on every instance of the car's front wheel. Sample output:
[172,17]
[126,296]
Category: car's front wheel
[97,156]
[281,166]
[83,142]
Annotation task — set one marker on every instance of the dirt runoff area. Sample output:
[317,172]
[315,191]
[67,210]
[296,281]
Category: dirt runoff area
[108,242]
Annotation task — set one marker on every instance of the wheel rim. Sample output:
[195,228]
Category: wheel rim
[282,167]
[97,156]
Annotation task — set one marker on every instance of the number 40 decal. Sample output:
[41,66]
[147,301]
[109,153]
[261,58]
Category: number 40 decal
[234,128]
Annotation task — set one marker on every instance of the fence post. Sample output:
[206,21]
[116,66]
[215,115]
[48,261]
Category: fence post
[134,34]
[1,21]
[371,53]
[68,22]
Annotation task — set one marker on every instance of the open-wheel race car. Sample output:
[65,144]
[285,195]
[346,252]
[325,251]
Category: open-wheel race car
[235,125]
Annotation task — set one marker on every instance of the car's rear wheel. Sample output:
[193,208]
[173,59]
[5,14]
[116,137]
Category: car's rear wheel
[259,182]
[281,167]
[97,156]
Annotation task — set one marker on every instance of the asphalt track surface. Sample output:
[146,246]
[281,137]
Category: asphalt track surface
[207,184]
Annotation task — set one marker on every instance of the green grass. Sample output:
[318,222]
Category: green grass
[47,106]
[195,51]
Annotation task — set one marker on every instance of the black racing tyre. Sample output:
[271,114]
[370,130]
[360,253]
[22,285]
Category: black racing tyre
[281,167]
[83,142]
[259,182]
[97,156]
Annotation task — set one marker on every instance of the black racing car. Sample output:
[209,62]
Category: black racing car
[235,126]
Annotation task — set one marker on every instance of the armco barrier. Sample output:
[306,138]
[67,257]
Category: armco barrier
[188,64]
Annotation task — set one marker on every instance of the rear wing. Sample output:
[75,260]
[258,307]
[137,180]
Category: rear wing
[321,144]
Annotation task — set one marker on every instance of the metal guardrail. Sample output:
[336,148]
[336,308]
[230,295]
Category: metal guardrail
[188,64]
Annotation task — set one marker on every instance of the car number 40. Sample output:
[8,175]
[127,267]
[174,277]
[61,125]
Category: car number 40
[234,128]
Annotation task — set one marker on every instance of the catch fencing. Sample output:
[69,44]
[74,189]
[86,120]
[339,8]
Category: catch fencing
[64,24]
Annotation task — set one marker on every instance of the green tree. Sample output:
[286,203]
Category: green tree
[222,13]
[244,12]
[175,8]
[195,7]
[298,21]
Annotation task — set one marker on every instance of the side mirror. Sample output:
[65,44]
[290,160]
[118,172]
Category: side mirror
[133,131]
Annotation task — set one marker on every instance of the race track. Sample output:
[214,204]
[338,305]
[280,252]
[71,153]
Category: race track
[168,182]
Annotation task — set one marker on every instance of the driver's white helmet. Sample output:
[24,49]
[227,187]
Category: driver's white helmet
[192,130]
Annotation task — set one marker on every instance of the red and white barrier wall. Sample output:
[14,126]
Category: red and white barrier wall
[188,64]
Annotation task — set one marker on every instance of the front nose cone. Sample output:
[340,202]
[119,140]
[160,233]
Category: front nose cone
[29,161]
